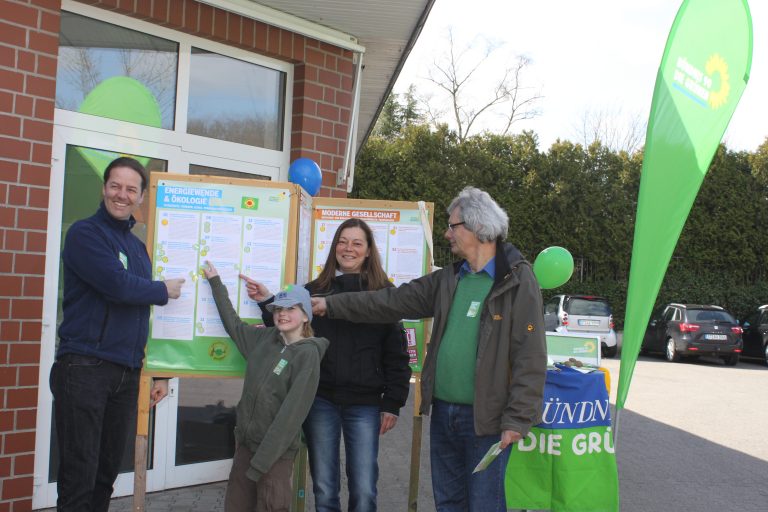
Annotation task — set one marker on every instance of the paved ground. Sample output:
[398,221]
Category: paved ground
[394,477]
[692,438]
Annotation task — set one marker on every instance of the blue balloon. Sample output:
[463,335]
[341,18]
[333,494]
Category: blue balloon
[305,172]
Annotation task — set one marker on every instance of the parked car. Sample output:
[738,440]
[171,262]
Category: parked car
[692,330]
[755,334]
[582,314]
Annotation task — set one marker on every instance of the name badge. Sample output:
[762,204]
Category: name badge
[280,366]
[123,259]
[474,307]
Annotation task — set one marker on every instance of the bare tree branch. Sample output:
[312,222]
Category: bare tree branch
[611,128]
[521,106]
[81,68]
[431,109]
[504,93]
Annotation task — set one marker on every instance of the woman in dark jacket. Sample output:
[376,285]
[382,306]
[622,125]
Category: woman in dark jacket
[364,376]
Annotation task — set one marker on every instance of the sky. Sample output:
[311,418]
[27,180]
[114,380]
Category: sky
[587,57]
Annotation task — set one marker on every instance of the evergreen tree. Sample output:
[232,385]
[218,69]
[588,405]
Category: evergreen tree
[584,199]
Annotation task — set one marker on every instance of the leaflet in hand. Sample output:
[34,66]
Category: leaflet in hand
[489,457]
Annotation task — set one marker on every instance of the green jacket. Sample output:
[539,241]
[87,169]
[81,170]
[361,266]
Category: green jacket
[280,385]
[511,362]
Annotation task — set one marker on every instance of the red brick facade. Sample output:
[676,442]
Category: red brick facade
[28,48]
[29,30]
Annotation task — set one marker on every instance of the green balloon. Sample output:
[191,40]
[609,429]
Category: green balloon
[553,267]
[124,99]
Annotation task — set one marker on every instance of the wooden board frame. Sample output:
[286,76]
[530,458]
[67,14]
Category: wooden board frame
[376,204]
[290,250]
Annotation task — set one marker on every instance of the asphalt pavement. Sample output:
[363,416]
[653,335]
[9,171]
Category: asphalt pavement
[692,437]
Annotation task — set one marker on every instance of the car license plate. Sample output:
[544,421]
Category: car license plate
[589,322]
[720,337]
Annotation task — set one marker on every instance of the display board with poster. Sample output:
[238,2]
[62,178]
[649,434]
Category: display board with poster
[241,226]
[401,233]
[582,348]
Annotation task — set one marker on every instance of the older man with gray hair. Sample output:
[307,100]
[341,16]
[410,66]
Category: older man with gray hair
[484,372]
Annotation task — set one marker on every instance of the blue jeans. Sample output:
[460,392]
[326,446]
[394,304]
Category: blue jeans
[322,429]
[455,450]
[94,403]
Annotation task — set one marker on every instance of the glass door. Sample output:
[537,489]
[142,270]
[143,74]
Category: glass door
[200,441]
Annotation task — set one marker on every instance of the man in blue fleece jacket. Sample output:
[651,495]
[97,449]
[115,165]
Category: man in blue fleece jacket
[108,289]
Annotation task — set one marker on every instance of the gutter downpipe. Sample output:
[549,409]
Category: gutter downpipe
[347,172]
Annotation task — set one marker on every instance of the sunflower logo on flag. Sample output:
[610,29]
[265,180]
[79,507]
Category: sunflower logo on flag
[717,65]
[249,203]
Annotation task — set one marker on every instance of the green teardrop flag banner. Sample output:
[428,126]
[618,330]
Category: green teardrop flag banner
[703,72]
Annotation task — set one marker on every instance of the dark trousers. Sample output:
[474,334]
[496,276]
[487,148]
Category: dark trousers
[272,493]
[94,403]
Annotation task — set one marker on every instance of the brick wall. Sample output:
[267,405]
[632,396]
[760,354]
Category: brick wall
[28,47]
[323,76]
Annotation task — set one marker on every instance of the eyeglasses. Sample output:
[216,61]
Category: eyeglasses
[451,226]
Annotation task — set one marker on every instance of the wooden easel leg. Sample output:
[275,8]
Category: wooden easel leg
[413,486]
[140,455]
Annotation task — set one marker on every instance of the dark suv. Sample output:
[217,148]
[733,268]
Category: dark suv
[692,330]
[756,334]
